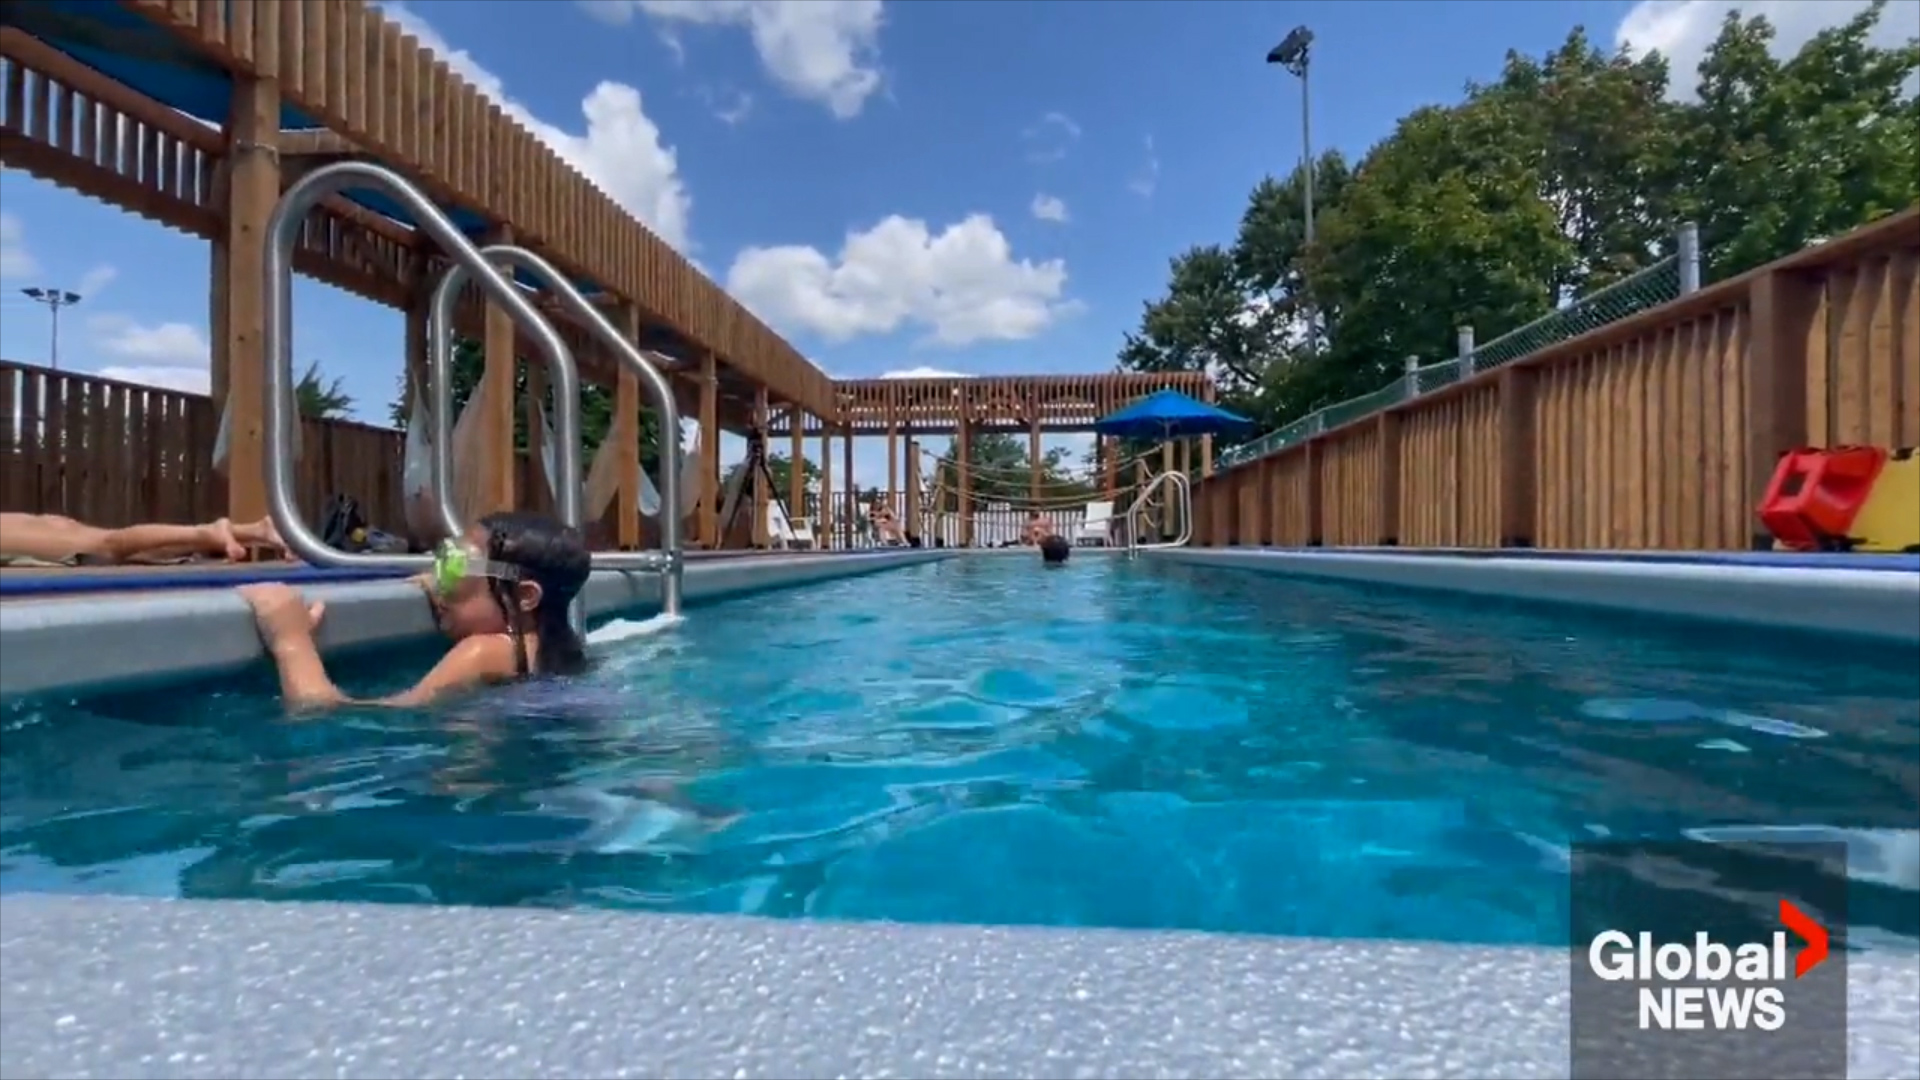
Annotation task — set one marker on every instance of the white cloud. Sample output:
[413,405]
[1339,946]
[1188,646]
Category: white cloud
[95,281]
[729,105]
[1050,137]
[924,372]
[962,284]
[1048,208]
[170,355]
[1148,178]
[621,150]
[1682,30]
[15,260]
[168,344]
[185,380]
[824,51]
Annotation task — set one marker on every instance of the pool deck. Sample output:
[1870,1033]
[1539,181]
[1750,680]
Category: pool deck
[107,987]
[1868,596]
[121,639]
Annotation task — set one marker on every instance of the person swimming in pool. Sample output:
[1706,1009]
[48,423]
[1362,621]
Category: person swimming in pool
[1054,550]
[501,593]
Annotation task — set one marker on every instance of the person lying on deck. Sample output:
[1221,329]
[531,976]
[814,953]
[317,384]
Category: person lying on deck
[55,539]
[501,593]
[886,527]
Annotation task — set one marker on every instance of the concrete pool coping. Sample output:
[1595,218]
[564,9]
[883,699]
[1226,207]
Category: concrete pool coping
[1840,599]
[118,640]
[120,987]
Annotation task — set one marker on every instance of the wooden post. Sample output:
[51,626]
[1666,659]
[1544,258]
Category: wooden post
[1166,508]
[1388,433]
[1033,455]
[499,340]
[913,484]
[1519,474]
[710,451]
[853,489]
[1211,397]
[797,464]
[237,300]
[626,405]
[893,460]
[762,536]
[1110,458]
[1314,456]
[829,523]
[1783,306]
[964,477]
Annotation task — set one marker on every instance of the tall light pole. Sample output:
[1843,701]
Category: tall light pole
[55,299]
[1293,53]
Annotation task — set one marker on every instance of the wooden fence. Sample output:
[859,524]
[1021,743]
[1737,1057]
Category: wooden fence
[1660,431]
[113,453]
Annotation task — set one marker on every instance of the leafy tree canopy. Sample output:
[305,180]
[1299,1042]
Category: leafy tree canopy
[1566,173]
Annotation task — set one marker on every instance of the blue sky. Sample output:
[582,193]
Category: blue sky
[970,187]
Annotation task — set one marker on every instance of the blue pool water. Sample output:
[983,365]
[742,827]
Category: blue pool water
[981,740]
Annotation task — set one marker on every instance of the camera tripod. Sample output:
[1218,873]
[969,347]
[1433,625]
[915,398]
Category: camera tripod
[739,495]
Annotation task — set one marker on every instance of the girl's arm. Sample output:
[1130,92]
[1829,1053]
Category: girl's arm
[287,624]
[470,664]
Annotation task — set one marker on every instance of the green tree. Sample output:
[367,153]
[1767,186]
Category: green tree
[318,399]
[999,471]
[1778,155]
[596,407]
[1566,173]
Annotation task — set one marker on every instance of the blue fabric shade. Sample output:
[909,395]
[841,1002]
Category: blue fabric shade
[1171,414]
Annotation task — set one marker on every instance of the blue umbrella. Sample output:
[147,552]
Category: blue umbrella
[1171,414]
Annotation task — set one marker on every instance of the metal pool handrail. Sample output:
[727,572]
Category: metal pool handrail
[669,561]
[1182,497]
[282,234]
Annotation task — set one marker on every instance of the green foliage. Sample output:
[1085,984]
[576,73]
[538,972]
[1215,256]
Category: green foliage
[321,400]
[596,407]
[999,470]
[1568,173]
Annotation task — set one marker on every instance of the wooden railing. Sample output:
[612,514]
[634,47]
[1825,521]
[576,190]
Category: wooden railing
[1656,432]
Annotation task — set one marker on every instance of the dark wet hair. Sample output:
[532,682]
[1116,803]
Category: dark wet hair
[1055,549]
[554,557]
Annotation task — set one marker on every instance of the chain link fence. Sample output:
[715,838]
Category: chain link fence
[1658,284]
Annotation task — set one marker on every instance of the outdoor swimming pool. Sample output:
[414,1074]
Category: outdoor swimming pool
[980,740]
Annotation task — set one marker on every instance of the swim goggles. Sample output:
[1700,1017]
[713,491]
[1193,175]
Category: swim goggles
[454,562]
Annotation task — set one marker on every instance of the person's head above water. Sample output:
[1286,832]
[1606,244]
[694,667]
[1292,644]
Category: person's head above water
[515,573]
[1054,550]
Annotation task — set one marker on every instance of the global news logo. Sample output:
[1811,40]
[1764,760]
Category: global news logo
[1707,984]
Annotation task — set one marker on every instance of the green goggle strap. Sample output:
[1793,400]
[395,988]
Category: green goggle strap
[454,563]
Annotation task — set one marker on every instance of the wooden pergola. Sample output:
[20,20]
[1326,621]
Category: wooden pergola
[198,114]
[905,410]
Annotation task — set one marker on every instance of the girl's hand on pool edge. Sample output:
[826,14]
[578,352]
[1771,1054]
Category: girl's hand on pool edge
[281,612]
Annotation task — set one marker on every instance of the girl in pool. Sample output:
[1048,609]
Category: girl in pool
[501,593]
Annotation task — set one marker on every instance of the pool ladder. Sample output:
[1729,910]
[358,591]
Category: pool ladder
[1179,497]
[475,264]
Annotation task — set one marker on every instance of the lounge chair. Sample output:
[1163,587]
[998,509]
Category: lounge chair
[1097,526]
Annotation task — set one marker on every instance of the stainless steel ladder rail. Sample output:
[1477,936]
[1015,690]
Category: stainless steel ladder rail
[669,561]
[282,235]
[1182,490]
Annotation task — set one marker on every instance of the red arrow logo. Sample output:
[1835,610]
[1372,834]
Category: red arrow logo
[1810,932]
